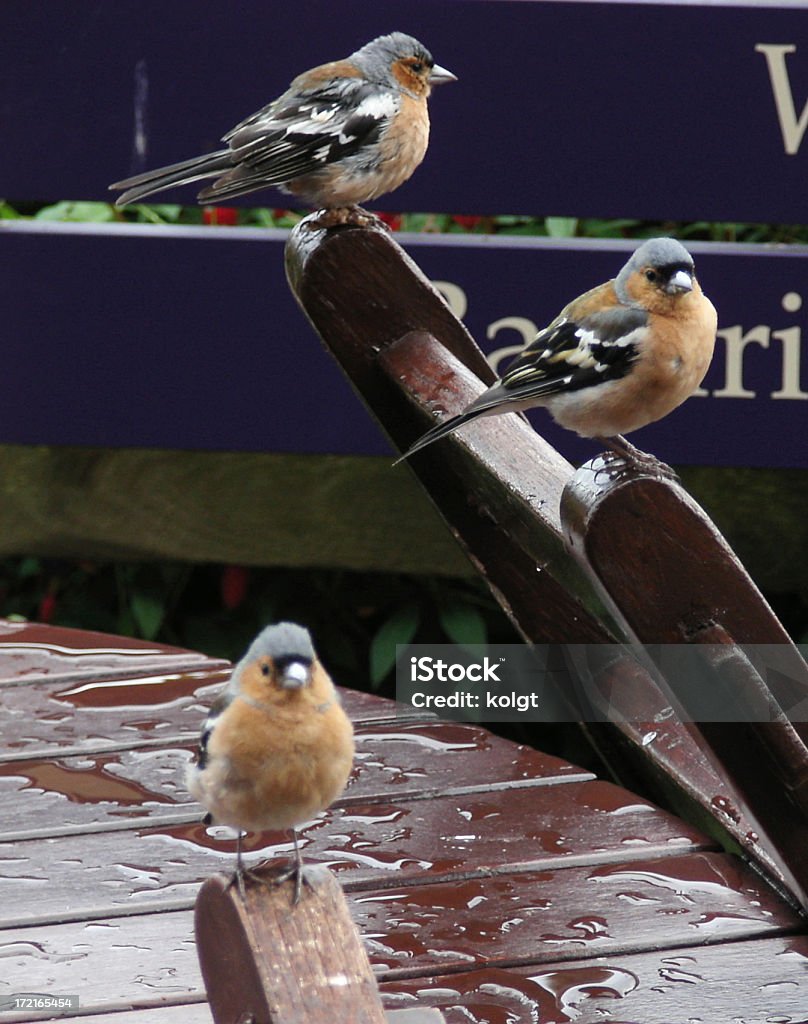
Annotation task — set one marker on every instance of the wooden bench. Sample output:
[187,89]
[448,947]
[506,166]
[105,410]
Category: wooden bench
[527,889]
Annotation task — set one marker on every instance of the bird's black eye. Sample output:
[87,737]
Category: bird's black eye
[417,67]
[651,275]
[265,668]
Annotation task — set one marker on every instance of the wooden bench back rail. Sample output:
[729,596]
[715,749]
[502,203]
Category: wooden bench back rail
[586,557]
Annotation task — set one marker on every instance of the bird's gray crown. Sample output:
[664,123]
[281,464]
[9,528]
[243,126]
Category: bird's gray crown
[376,56]
[282,641]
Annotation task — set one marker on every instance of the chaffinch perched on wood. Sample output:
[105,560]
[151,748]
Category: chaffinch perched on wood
[276,747]
[620,356]
[342,134]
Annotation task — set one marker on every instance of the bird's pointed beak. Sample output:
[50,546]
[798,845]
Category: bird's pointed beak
[680,282]
[295,675]
[439,75]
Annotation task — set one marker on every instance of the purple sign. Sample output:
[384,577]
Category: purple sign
[190,338]
[649,110]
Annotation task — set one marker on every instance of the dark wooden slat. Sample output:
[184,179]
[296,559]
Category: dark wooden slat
[39,718]
[430,759]
[30,652]
[755,982]
[367,845]
[58,795]
[601,509]
[128,960]
[88,790]
[569,914]
[647,727]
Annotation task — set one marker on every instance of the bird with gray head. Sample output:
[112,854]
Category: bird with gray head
[276,747]
[620,356]
[343,133]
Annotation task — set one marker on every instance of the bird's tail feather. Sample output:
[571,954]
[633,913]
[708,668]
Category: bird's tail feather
[183,173]
[441,430]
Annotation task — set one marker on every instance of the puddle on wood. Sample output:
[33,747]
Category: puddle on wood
[99,779]
[443,738]
[500,997]
[140,691]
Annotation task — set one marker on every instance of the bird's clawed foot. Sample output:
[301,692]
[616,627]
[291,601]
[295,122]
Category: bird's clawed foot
[341,216]
[237,879]
[272,876]
[625,455]
[275,876]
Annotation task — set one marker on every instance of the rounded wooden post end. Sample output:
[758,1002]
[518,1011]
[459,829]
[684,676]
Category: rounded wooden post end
[267,960]
[309,235]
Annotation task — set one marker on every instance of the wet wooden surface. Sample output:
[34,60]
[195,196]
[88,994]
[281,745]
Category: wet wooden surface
[489,880]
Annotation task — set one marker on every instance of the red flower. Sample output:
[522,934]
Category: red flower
[235,579]
[226,215]
[47,606]
[392,220]
[468,223]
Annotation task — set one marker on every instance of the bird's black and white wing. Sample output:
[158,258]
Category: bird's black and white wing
[303,133]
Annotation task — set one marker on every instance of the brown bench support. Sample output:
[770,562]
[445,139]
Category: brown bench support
[267,962]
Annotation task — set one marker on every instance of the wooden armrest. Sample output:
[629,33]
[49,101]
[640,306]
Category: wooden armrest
[669,577]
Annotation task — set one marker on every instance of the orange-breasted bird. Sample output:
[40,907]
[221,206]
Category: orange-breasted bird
[343,133]
[620,356]
[276,747]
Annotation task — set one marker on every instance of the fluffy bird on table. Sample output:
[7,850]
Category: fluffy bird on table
[277,747]
[342,134]
[620,356]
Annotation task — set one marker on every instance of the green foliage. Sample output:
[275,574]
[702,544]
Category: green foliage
[561,227]
[462,622]
[399,628]
[505,224]
[88,213]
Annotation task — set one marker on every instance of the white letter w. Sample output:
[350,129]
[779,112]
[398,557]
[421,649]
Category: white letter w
[792,129]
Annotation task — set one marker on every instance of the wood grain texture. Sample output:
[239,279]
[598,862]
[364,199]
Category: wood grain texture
[632,527]
[500,488]
[544,893]
[72,717]
[31,653]
[407,341]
